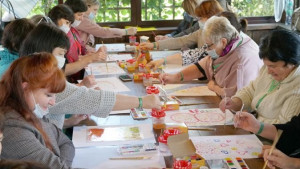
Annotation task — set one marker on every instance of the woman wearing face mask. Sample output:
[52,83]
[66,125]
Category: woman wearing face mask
[88,29]
[63,16]
[275,94]
[194,55]
[78,100]
[12,38]
[204,11]
[27,90]
[228,53]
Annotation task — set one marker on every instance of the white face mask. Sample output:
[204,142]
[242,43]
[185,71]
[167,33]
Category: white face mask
[91,16]
[38,111]
[61,61]
[213,54]
[76,23]
[65,28]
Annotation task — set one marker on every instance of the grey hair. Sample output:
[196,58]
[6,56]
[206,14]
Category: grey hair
[218,27]
[91,2]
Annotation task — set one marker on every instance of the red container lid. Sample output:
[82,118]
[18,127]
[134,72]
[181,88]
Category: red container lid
[147,75]
[137,44]
[182,164]
[158,113]
[163,139]
[132,37]
[142,65]
[152,89]
[171,132]
[131,61]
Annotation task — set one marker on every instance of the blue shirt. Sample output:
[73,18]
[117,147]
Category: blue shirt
[6,58]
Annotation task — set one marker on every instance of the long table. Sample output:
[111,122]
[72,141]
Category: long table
[138,89]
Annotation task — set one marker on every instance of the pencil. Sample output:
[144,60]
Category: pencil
[105,61]
[279,132]
[238,113]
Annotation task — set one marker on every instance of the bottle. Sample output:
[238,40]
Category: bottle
[289,11]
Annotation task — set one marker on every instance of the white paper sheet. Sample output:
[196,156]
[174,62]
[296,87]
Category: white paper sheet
[115,57]
[220,147]
[114,47]
[111,84]
[187,90]
[173,68]
[161,54]
[100,69]
[80,136]
[98,157]
[199,117]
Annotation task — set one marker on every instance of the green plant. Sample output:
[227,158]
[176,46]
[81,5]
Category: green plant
[253,7]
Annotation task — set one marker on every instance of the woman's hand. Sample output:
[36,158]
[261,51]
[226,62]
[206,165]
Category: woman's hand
[155,64]
[160,37]
[246,121]
[166,78]
[280,160]
[74,120]
[147,46]
[211,85]
[151,102]
[88,81]
[131,31]
[226,103]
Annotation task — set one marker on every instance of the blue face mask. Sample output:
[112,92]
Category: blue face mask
[38,111]
[213,54]
[91,16]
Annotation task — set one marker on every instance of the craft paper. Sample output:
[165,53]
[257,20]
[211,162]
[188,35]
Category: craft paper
[111,84]
[199,117]
[114,47]
[187,90]
[116,135]
[220,147]
[115,57]
[100,69]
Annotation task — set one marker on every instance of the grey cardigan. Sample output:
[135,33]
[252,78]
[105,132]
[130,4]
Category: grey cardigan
[23,141]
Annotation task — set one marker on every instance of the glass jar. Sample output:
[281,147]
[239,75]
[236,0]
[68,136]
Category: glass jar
[152,90]
[142,68]
[158,118]
[131,65]
[132,40]
[147,79]
[163,144]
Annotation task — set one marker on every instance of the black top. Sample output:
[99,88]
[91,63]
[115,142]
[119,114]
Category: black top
[289,142]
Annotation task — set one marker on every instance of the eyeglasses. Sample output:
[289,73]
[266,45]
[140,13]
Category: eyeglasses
[206,46]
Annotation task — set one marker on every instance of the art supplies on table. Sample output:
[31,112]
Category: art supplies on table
[221,147]
[187,90]
[199,117]
[114,47]
[137,149]
[118,57]
[138,114]
[235,163]
[106,135]
[100,69]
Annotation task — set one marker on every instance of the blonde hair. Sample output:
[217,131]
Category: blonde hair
[190,5]
[91,2]
[217,27]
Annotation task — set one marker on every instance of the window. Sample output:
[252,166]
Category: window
[42,7]
[253,8]
[114,11]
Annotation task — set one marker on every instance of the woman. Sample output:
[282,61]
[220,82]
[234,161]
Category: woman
[288,153]
[27,90]
[78,100]
[204,11]
[12,38]
[88,29]
[194,55]
[275,94]
[229,53]
[63,17]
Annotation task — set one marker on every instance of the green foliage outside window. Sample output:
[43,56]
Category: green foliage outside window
[253,7]
[114,11]
[42,7]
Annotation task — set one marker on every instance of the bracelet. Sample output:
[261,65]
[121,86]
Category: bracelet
[140,103]
[154,46]
[181,77]
[261,128]
[126,32]
[165,61]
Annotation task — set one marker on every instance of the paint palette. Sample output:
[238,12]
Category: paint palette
[138,114]
[235,163]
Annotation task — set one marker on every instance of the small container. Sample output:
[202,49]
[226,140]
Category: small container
[131,65]
[122,64]
[182,164]
[132,40]
[144,39]
[171,132]
[163,144]
[142,68]
[152,90]
[147,79]
[158,118]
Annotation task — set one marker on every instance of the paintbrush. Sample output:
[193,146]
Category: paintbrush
[279,132]
[238,113]
[105,61]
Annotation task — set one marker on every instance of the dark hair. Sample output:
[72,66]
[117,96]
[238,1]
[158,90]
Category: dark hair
[208,8]
[44,38]
[281,45]
[1,122]
[240,25]
[20,164]
[77,5]
[61,11]
[14,34]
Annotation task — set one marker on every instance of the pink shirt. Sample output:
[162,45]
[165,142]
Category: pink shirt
[242,59]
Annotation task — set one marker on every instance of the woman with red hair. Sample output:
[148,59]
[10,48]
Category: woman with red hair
[27,89]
